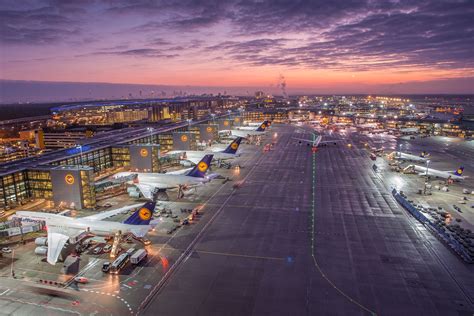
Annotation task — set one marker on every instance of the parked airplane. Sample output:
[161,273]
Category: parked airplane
[398,155]
[316,141]
[62,229]
[148,183]
[195,156]
[424,171]
[252,125]
[251,132]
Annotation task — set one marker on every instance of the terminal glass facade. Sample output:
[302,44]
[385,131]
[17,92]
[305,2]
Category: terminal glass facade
[40,185]
[121,156]
[165,141]
[98,159]
[88,190]
[13,189]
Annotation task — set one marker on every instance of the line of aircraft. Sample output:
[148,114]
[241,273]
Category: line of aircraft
[63,229]
[196,155]
[149,183]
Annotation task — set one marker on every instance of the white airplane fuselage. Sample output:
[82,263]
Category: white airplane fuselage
[195,155]
[245,133]
[422,170]
[170,180]
[99,228]
[253,124]
[247,128]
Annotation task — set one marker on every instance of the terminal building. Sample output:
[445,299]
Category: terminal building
[66,177]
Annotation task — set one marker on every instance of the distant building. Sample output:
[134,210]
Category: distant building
[55,139]
[259,95]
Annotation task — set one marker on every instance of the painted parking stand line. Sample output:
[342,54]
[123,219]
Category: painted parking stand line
[113,295]
[5,292]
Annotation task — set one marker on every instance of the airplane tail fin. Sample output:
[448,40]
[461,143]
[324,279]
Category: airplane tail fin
[142,216]
[262,127]
[200,169]
[459,171]
[232,148]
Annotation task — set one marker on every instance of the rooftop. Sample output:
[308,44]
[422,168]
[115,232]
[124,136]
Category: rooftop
[101,140]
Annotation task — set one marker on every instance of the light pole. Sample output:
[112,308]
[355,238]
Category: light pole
[150,129]
[80,149]
[399,150]
[427,166]
[189,123]
[12,271]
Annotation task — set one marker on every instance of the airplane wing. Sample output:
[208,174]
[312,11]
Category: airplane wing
[107,214]
[141,230]
[194,160]
[56,242]
[306,140]
[330,141]
[148,189]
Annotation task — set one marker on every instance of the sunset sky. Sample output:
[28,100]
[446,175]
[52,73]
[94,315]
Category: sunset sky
[344,45]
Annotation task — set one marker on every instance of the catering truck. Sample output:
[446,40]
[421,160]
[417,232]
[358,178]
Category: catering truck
[138,256]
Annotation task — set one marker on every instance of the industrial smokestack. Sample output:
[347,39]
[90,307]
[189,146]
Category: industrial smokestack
[282,86]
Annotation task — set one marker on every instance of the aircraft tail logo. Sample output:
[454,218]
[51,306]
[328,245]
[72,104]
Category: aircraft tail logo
[142,216]
[262,127]
[232,148]
[200,169]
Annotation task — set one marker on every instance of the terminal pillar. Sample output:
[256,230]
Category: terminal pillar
[207,132]
[237,121]
[73,187]
[184,141]
[225,124]
[144,157]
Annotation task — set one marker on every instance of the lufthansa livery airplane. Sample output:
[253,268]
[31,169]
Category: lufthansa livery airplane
[62,229]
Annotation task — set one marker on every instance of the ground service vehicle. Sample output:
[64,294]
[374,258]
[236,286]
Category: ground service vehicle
[138,256]
[119,263]
[106,266]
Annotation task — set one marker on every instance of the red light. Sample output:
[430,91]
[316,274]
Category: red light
[164,263]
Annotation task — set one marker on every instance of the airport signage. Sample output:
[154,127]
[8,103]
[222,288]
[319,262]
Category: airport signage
[69,178]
